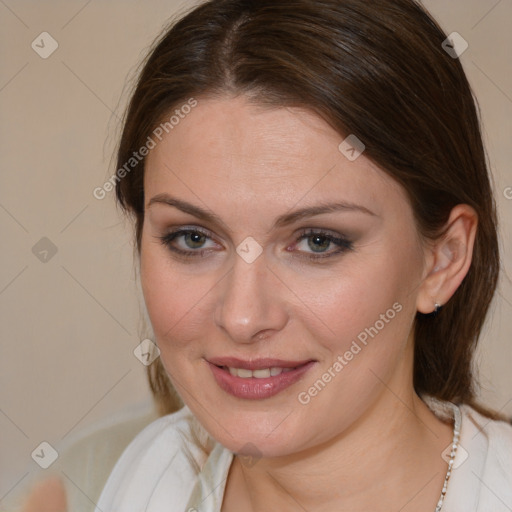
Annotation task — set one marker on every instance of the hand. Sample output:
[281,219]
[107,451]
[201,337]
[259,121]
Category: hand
[47,496]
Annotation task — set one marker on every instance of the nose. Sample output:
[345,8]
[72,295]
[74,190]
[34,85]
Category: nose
[250,306]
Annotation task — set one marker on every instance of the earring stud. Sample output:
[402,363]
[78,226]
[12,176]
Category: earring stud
[437,307]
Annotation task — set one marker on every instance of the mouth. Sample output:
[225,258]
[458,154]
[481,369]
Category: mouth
[257,379]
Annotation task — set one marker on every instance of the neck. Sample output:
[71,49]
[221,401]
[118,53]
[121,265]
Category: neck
[389,459]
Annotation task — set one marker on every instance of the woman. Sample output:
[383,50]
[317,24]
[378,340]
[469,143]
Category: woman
[318,253]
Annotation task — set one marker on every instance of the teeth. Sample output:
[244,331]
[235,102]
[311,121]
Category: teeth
[261,374]
[258,374]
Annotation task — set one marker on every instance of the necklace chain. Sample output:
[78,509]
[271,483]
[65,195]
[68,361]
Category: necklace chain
[454,446]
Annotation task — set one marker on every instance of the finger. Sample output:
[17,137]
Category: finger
[47,496]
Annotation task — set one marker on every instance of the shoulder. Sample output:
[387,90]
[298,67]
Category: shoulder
[498,435]
[481,476]
[168,453]
[486,461]
[89,457]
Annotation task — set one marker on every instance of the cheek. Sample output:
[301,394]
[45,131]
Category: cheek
[364,296]
[172,297]
[369,312]
[366,314]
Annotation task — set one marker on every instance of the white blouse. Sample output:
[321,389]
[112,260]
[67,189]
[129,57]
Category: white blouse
[173,465]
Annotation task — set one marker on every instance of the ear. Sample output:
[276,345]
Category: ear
[448,259]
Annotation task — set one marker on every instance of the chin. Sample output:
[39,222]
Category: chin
[256,430]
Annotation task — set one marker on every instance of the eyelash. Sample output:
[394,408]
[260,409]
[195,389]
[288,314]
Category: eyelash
[343,243]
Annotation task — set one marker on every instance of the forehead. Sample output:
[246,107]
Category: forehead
[234,129]
[230,152]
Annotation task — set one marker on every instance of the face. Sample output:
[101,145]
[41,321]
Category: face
[278,318]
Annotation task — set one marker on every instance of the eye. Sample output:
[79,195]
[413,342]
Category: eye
[319,241]
[191,241]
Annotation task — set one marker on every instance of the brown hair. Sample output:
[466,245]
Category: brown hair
[373,69]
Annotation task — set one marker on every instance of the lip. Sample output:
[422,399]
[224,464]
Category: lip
[256,364]
[253,388]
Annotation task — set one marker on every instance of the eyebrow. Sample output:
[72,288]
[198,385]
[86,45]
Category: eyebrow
[282,220]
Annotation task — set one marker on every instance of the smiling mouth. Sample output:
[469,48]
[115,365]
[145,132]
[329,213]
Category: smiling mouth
[264,373]
[257,379]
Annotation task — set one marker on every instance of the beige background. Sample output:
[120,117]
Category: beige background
[69,325]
